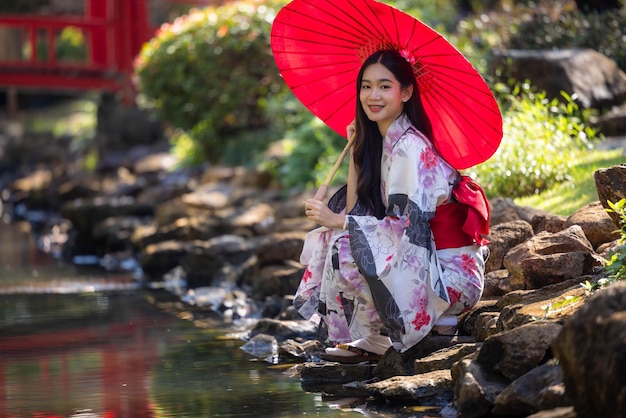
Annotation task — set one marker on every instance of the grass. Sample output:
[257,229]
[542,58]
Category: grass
[567,197]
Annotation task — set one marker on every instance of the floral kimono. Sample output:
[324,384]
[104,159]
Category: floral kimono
[386,276]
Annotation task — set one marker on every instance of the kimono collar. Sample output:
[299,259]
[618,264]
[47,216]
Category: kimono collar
[397,129]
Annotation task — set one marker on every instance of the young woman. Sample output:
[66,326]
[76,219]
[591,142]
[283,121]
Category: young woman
[375,275]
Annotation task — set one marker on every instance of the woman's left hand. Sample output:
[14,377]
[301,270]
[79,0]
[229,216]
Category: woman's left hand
[317,211]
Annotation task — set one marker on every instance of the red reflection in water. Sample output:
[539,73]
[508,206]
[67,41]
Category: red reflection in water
[104,370]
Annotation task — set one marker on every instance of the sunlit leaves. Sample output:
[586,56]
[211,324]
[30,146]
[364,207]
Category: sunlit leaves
[542,140]
[616,266]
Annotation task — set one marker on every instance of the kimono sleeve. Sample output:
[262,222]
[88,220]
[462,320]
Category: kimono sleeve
[418,181]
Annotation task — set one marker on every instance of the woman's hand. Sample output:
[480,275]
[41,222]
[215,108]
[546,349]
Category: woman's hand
[317,211]
[351,129]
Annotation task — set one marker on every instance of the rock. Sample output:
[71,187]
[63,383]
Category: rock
[486,325]
[527,394]
[331,377]
[285,330]
[211,196]
[237,176]
[157,259]
[305,351]
[551,258]
[444,359]
[590,349]
[394,363]
[563,412]
[261,345]
[596,223]
[613,125]
[276,279]
[502,238]
[431,388]
[496,283]
[278,247]
[165,189]
[549,222]
[247,221]
[594,79]
[85,213]
[515,352]
[470,322]
[475,388]
[114,233]
[549,303]
[227,260]
[611,187]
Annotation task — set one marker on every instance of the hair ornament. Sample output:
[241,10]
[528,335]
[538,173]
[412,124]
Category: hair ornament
[406,54]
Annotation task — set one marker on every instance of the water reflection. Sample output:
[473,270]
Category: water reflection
[116,356]
[61,354]
[103,353]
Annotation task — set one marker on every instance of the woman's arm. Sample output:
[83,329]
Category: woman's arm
[351,195]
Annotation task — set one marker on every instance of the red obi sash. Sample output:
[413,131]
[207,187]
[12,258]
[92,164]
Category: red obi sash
[465,221]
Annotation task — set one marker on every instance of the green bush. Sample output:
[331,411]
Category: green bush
[209,75]
[542,140]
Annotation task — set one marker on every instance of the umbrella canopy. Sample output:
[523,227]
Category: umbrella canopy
[320,45]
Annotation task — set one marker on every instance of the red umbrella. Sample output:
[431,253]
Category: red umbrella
[320,45]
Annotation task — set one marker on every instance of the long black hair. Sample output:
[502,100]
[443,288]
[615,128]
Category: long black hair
[368,147]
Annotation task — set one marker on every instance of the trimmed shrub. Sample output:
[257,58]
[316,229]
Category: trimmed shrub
[209,75]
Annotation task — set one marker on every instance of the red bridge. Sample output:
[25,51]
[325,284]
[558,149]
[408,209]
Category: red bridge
[80,45]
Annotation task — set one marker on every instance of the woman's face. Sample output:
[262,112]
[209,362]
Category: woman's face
[381,96]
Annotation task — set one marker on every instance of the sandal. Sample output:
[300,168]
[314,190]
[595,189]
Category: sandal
[359,357]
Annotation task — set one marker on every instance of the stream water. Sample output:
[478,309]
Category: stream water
[77,342]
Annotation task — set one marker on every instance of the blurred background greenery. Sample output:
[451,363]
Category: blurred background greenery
[210,77]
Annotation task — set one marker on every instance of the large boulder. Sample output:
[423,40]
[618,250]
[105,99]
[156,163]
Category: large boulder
[552,258]
[591,351]
[594,79]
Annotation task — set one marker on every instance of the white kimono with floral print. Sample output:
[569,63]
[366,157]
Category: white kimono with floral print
[385,275]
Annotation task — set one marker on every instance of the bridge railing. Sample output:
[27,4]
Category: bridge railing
[111,33]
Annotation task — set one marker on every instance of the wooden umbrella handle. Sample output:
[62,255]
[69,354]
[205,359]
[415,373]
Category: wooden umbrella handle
[323,189]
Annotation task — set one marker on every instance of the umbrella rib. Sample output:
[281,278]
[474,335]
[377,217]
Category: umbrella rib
[449,110]
[473,110]
[430,41]
[357,22]
[320,66]
[334,111]
[478,150]
[322,77]
[484,91]
[380,24]
[309,30]
[362,32]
